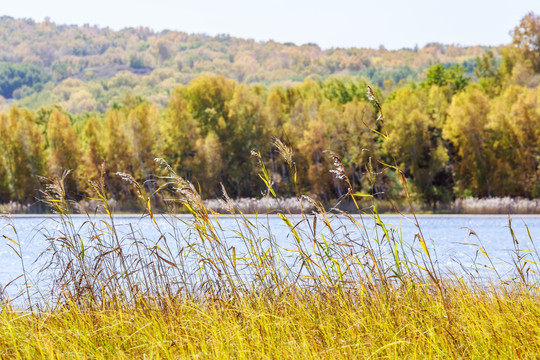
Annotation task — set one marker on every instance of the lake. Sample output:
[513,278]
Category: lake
[450,237]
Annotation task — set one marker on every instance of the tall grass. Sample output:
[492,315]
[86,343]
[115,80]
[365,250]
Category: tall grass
[343,285]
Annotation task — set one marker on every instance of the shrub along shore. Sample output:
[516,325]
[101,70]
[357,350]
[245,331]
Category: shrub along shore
[486,206]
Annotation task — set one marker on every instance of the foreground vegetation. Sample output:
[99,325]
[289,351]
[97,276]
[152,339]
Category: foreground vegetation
[407,323]
[334,287]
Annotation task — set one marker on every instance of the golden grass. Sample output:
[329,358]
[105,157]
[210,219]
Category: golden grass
[405,323]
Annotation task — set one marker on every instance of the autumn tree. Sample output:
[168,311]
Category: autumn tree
[243,132]
[277,114]
[312,145]
[305,123]
[208,164]
[413,122]
[521,59]
[118,152]
[227,118]
[141,133]
[514,123]
[5,178]
[93,152]
[465,129]
[208,98]
[63,147]
[22,152]
[526,38]
[181,133]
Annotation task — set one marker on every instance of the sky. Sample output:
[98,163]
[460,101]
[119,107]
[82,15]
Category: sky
[393,24]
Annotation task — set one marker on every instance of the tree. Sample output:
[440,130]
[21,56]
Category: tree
[181,133]
[118,152]
[208,98]
[243,132]
[22,149]
[14,76]
[63,149]
[93,153]
[141,131]
[453,77]
[5,189]
[436,75]
[488,74]
[164,53]
[414,120]
[526,38]
[514,127]
[312,146]
[464,128]
[349,135]
[208,164]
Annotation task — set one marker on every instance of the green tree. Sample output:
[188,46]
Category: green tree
[13,76]
[488,73]
[453,77]
[436,75]
[208,98]
[243,132]
[464,128]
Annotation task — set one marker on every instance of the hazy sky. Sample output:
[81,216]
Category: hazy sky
[331,23]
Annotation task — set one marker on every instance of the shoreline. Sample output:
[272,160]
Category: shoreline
[467,206]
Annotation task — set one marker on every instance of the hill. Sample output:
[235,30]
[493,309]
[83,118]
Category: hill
[87,68]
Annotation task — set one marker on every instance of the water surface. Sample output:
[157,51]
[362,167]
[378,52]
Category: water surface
[453,240]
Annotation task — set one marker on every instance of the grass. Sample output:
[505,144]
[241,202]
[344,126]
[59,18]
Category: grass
[406,324]
[335,288]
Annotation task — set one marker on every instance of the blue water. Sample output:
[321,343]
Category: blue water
[453,240]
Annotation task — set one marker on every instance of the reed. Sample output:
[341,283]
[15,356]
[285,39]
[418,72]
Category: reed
[504,205]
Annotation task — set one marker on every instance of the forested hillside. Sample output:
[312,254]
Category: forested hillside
[90,69]
[452,134]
